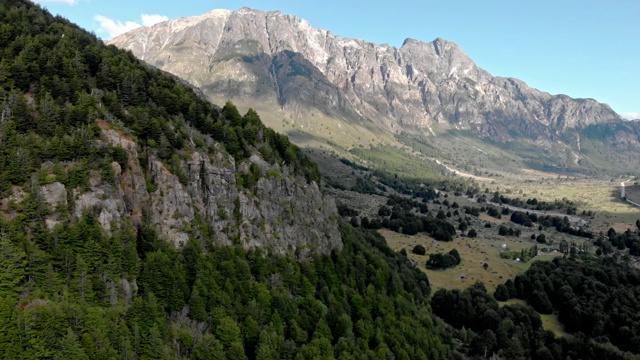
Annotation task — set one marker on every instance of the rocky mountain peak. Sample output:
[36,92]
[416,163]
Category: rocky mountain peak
[218,13]
[270,58]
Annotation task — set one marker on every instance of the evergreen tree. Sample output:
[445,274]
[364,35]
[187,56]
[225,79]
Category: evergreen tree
[70,348]
[12,262]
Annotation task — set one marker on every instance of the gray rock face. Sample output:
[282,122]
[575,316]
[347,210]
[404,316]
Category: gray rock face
[54,194]
[282,214]
[267,56]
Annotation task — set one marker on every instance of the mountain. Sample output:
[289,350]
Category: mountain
[325,85]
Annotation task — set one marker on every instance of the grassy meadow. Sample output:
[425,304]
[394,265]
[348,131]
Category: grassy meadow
[549,321]
[474,253]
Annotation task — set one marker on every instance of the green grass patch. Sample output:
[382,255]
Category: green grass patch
[395,160]
[550,322]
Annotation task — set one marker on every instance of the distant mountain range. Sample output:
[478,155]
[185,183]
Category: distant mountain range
[326,90]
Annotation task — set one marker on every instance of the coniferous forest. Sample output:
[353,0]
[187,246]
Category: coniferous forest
[74,291]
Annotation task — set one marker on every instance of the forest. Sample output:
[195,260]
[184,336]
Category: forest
[595,297]
[482,327]
[76,292]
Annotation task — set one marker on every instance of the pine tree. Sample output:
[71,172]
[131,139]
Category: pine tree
[208,348]
[70,349]
[152,345]
[12,265]
[268,346]
[9,333]
[81,283]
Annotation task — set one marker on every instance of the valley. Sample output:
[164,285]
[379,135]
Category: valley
[589,195]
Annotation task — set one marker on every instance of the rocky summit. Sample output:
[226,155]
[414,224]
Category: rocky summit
[270,58]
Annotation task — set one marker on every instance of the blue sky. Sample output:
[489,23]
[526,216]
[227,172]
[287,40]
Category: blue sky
[582,48]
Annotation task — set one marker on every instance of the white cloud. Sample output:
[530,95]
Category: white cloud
[150,20]
[115,27]
[68,2]
[632,115]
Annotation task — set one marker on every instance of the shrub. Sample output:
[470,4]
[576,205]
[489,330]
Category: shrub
[419,250]
[441,261]
[501,293]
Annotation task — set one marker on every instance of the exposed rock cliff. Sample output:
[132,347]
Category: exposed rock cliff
[267,56]
[283,213]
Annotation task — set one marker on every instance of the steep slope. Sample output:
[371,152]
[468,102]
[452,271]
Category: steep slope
[111,136]
[325,82]
[118,188]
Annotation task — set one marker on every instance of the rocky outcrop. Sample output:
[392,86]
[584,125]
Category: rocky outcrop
[282,214]
[55,194]
[275,58]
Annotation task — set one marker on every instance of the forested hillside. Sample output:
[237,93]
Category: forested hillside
[91,128]
[216,303]
[594,297]
[98,156]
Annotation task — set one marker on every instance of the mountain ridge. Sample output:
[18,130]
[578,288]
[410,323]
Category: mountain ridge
[320,47]
[340,94]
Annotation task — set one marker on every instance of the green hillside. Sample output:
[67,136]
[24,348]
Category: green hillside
[76,291]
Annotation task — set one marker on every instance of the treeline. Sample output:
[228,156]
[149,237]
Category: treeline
[482,329]
[403,203]
[413,188]
[532,203]
[595,297]
[365,185]
[561,224]
[399,216]
[626,240]
[409,223]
